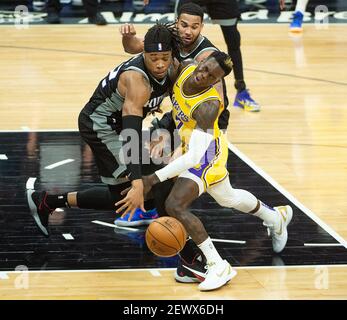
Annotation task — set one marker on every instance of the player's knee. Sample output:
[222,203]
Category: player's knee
[173,207]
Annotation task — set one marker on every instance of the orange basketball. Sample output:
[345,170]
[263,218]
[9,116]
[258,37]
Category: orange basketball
[166,237]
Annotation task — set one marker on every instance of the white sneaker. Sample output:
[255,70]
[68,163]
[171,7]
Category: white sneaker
[217,276]
[279,232]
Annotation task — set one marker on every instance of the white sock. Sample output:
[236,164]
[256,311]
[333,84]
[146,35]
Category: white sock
[267,214]
[301,6]
[209,251]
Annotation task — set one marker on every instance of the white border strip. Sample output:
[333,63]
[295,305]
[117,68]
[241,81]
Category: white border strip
[290,197]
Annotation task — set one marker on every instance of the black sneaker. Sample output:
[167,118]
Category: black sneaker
[53,18]
[190,273]
[98,20]
[39,209]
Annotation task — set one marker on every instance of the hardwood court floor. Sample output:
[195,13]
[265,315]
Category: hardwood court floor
[299,139]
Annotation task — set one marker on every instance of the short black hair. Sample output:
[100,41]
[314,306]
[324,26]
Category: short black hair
[191,8]
[223,60]
[158,38]
[162,37]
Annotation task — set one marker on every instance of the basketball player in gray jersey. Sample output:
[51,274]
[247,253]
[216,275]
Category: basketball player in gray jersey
[193,45]
[121,101]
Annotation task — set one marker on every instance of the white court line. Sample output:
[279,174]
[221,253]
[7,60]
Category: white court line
[172,269]
[155,273]
[58,164]
[31,183]
[229,241]
[323,245]
[289,196]
[3,157]
[114,226]
[25,128]
[68,236]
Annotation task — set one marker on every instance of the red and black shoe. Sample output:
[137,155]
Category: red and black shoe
[39,209]
[191,273]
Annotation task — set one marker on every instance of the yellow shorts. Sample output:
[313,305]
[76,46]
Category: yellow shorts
[212,167]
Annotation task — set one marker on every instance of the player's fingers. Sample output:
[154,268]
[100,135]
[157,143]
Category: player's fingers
[125,191]
[123,207]
[120,202]
[132,29]
[123,215]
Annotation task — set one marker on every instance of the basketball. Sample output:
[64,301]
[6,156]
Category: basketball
[166,237]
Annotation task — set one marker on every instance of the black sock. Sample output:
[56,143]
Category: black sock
[57,201]
[191,252]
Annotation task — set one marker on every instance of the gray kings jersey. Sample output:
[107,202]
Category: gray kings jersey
[202,45]
[106,101]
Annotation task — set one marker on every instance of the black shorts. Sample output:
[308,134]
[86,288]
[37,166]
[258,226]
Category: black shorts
[106,151]
[217,9]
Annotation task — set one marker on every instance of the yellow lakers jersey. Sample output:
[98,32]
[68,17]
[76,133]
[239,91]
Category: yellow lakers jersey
[184,106]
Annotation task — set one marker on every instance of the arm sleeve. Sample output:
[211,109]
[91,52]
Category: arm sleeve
[134,165]
[198,145]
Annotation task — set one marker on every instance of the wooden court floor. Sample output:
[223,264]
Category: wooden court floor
[299,139]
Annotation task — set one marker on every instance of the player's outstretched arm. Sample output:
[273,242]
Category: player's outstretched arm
[131,43]
[136,91]
[201,138]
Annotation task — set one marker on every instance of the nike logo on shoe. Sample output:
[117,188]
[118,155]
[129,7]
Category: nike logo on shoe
[279,233]
[197,273]
[228,269]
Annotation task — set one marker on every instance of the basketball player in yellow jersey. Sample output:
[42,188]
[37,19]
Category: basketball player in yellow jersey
[202,168]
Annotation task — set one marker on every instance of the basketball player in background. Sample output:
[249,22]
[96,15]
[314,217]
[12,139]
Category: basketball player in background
[226,14]
[202,168]
[54,7]
[298,17]
[121,101]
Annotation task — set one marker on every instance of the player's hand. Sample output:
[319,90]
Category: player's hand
[148,183]
[145,2]
[133,200]
[127,30]
[282,4]
[156,148]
